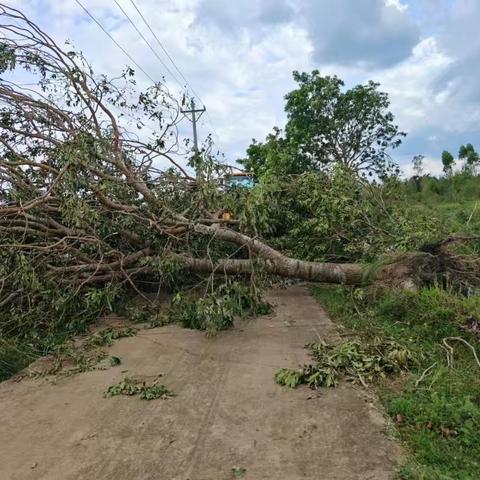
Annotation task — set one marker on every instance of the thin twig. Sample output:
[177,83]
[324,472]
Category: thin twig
[460,339]
[424,374]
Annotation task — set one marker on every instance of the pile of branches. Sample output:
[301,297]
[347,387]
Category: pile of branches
[91,187]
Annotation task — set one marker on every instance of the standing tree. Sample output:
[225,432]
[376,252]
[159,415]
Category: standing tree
[417,162]
[448,162]
[470,156]
[273,154]
[328,125]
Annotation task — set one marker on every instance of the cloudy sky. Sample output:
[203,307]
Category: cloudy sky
[239,55]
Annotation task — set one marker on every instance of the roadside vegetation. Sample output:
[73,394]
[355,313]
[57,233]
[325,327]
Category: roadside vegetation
[435,404]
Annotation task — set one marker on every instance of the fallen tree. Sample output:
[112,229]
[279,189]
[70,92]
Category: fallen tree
[88,197]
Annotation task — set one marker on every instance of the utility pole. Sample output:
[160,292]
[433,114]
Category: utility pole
[194,112]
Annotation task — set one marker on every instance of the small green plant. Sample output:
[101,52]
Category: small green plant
[289,377]
[238,472]
[105,338]
[145,391]
[351,360]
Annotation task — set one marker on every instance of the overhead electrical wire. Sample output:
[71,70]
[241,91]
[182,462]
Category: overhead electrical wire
[119,46]
[125,52]
[173,62]
[114,41]
[164,49]
[148,44]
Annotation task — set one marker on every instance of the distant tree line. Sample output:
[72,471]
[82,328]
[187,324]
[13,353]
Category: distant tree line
[466,153]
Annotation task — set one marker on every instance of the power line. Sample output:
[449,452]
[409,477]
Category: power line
[133,60]
[164,50]
[120,47]
[115,42]
[173,63]
[211,125]
[148,43]
[194,112]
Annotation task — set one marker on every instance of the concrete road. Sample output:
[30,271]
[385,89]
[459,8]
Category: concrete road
[228,411]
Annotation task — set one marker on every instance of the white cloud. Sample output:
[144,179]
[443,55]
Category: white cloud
[369,33]
[412,85]
[397,4]
[239,57]
[433,166]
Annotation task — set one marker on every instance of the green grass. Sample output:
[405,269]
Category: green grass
[439,420]
[454,202]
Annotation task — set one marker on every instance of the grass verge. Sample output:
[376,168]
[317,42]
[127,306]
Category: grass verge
[436,406]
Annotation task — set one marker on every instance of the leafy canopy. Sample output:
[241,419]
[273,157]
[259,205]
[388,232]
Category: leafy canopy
[417,162]
[447,161]
[334,217]
[471,157]
[328,125]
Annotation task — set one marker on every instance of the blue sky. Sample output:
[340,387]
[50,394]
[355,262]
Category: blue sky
[239,57]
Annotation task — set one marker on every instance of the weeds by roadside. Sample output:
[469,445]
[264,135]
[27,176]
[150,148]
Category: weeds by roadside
[436,407]
[68,360]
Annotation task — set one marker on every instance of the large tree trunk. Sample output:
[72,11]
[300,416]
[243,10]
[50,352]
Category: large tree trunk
[131,266]
[339,273]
